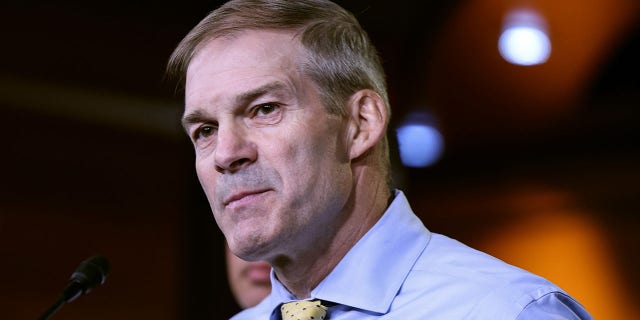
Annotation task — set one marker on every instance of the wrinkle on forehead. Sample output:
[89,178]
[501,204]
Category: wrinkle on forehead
[254,53]
[238,63]
[226,68]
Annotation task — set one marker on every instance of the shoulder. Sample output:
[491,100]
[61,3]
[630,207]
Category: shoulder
[467,283]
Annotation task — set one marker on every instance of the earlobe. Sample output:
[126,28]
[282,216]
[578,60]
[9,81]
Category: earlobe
[368,121]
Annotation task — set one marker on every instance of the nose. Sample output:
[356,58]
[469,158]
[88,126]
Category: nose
[234,149]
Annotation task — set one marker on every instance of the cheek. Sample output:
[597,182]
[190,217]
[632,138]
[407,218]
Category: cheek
[205,178]
[314,162]
[324,152]
[301,160]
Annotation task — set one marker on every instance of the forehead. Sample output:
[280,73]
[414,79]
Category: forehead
[226,68]
[244,56]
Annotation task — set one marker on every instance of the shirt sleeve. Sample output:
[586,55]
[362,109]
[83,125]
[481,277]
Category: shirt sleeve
[554,306]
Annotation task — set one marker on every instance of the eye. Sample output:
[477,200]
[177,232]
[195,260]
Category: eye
[265,114]
[204,132]
[265,109]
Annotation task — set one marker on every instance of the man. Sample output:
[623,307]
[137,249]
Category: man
[249,281]
[286,105]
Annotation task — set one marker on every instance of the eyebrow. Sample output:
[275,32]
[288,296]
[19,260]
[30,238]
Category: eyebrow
[200,115]
[253,94]
[196,116]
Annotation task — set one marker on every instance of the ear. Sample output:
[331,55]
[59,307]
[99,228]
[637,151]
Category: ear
[368,122]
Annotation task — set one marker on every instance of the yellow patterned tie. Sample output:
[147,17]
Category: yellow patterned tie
[303,310]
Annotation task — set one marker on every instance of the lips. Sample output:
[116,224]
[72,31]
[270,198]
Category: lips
[240,197]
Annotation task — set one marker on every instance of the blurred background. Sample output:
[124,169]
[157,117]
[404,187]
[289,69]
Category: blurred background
[517,125]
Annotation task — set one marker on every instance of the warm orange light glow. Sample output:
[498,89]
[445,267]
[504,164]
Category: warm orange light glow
[554,238]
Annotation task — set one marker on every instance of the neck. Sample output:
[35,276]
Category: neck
[368,201]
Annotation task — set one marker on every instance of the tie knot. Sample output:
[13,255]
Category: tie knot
[303,310]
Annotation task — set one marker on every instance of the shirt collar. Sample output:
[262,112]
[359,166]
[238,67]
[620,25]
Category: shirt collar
[372,272]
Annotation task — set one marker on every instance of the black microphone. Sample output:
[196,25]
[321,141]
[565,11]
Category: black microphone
[90,274]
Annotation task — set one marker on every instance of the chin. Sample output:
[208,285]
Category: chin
[247,249]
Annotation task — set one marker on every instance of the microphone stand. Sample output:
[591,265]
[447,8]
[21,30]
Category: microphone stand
[72,291]
[53,308]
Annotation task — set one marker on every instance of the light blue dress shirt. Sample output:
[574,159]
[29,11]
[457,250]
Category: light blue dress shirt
[400,270]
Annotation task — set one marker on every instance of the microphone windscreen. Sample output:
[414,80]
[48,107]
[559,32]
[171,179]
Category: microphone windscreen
[91,273]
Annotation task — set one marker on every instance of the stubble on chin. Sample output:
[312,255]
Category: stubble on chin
[243,228]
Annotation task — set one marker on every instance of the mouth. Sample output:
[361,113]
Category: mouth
[243,197]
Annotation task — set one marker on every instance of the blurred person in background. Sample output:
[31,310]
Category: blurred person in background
[249,280]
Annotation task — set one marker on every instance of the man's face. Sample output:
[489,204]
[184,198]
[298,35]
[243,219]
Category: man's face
[273,163]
